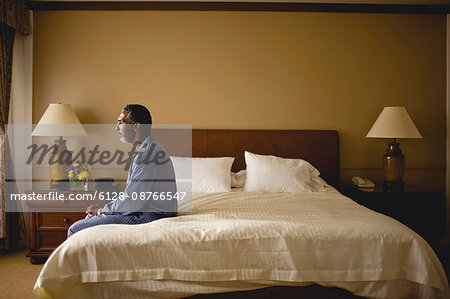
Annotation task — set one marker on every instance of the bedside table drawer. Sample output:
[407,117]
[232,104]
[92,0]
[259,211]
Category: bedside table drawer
[49,224]
[48,241]
[58,220]
[47,231]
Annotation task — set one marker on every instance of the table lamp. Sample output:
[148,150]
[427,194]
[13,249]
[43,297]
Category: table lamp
[59,120]
[393,122]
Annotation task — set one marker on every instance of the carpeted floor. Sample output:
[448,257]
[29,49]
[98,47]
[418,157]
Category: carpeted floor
[17,275]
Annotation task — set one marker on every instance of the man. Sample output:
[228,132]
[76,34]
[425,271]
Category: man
[151,171]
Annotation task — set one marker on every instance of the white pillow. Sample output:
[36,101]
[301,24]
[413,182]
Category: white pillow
[208,175]
[318,184]
[238,179]
[275,174]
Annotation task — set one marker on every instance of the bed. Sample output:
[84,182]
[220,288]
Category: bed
[240,241]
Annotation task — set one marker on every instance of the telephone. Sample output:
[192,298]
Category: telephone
[362,183]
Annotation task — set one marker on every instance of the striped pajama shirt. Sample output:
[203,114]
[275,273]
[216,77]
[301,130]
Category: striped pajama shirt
[151,171]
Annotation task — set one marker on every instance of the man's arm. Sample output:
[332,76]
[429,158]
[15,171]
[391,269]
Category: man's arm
[141,181]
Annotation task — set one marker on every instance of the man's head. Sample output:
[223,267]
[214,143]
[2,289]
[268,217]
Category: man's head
[133,123]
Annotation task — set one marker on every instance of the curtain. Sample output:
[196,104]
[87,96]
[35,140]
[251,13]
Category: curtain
[14,16]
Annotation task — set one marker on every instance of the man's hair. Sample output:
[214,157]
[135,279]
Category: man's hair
[140,114]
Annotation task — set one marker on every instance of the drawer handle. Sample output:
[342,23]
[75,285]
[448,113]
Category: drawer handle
[66,220]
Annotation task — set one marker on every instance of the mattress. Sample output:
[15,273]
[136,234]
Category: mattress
[247,240]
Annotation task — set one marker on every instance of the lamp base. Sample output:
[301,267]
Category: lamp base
[58,166]
[394,164]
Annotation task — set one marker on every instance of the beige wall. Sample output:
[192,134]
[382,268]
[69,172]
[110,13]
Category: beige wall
[255,70]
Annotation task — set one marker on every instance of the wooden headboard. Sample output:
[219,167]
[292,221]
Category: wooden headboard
[319,147]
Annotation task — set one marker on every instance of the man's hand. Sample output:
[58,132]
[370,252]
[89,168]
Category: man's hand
[94,210]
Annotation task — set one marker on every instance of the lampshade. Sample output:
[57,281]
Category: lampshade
[394,122]
[59,120]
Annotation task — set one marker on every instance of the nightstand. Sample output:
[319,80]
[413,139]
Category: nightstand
[49,221]
[419,208]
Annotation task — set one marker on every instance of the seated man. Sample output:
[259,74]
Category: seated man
[151,170]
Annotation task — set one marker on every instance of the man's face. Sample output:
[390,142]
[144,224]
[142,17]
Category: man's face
[125,128]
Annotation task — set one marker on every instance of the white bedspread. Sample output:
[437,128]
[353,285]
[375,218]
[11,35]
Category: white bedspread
[248,240]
